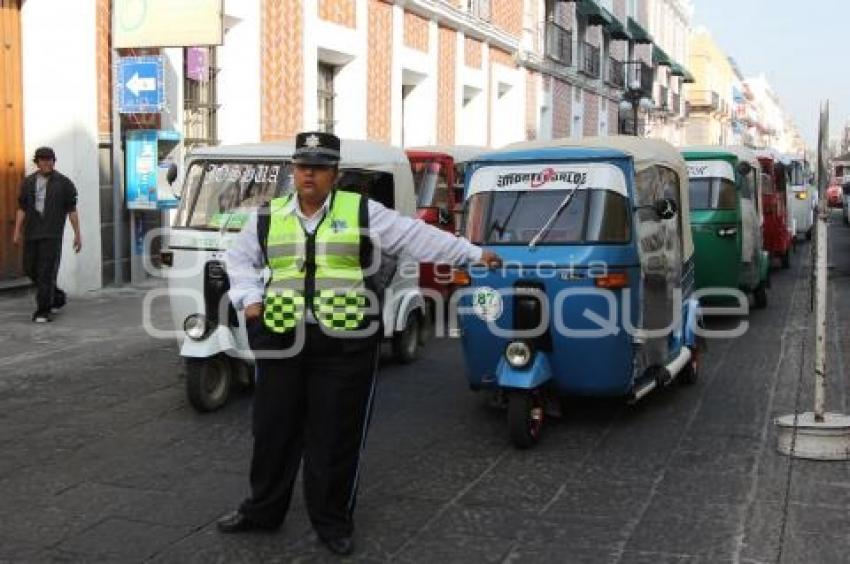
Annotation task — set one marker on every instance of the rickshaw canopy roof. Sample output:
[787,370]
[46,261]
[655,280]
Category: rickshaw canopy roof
[644,153]
[458,153]
[354,153]
[734,153]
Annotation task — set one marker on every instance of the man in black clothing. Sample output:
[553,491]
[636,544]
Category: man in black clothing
[46,199]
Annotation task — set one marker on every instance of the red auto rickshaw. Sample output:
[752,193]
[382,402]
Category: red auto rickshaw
[777,230]
[438,174]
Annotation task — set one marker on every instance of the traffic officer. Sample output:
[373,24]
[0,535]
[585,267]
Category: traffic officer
[314,403]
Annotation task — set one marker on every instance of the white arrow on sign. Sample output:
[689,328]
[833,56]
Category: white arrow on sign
[137,84]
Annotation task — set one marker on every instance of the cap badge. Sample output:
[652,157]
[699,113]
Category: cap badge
[312,141]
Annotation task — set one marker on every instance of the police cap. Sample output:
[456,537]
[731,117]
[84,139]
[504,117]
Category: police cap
[316,148]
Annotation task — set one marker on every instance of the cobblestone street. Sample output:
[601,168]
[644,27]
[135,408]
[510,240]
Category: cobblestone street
[104,460]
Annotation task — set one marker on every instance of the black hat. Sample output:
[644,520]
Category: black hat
[44,153]
[316,148]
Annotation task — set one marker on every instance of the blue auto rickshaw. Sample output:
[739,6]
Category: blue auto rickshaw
[595,294]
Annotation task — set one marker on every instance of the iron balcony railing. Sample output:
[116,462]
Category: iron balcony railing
[663,97]
[616,73]
[675,103]
[559,44]
[590,62]
[641,76]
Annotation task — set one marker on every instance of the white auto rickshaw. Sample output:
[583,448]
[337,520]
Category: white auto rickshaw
[805,196]
[222,186]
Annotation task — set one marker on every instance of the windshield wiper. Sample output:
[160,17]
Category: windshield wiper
[504,225]
[545,229]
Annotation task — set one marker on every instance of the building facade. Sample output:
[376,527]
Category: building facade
[714,95]
[405,72]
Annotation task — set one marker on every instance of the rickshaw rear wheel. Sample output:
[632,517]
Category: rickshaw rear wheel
[525,418]
[786,259]
[208,382]
[760,296]
[406,342]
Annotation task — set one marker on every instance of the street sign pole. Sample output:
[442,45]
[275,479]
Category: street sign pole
[818,435]
[117,196]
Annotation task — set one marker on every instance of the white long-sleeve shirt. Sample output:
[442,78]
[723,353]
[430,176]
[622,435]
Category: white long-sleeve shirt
[395,233]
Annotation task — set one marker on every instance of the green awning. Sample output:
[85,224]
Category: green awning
[660,57]
[617,30]
[678,70]
[595,14]
[639,35]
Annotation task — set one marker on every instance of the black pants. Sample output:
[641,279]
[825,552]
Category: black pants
[315,405]
[41,265]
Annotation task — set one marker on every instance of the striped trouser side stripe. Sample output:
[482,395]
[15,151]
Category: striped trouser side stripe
[367,418]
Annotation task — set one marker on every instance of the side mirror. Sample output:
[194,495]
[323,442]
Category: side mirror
[666,208]
[171,175]
[744,168]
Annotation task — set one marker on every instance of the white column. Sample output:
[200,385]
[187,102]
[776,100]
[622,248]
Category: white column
[395,79]
[460,53]
[433,79]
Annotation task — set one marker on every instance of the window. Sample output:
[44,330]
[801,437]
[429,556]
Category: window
[378,186]
[430,182]
[325,97]
[516,217]
[479,8]
[712,194]
[221,195]
[199,97]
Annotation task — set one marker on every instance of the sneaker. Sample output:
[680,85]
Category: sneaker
[41,317]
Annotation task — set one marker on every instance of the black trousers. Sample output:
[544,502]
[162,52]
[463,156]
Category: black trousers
[41,265]
[316,406]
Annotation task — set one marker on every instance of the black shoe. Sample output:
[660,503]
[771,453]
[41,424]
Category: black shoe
[41,317]
[238,522]
[342,546]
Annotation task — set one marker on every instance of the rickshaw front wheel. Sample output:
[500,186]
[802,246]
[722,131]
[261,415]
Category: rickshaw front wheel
[208,382]
[525,418]
[405,343]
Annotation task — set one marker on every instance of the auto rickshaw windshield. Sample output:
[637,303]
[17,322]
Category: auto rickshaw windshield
[514,217]
[220,195]
[712,194]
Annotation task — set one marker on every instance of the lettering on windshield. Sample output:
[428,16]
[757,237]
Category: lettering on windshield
[259,174]
[538,179]
[697,170]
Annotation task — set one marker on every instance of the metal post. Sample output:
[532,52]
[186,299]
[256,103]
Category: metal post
[820,311]
[117,196]
[635,108]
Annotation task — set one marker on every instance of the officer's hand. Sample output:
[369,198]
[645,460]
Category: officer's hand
[16,238]
[253,311]
[78,244]
[491,259]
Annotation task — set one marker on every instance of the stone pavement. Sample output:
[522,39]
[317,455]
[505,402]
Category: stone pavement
[102,459]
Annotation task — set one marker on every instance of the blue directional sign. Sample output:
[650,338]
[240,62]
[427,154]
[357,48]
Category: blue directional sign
[140,85]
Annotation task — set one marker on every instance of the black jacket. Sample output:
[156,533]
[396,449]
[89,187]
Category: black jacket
[60,200]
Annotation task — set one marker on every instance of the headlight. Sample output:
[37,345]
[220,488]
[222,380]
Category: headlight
[518,354]
[195,326]
[802,196]
[727,231]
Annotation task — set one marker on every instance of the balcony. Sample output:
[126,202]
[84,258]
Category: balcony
[590,60]
[663,98]
[616,73]
[675,103]
[640,75]
[559,44]
[704,101]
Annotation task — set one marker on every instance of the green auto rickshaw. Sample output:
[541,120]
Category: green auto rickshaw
[726,220]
